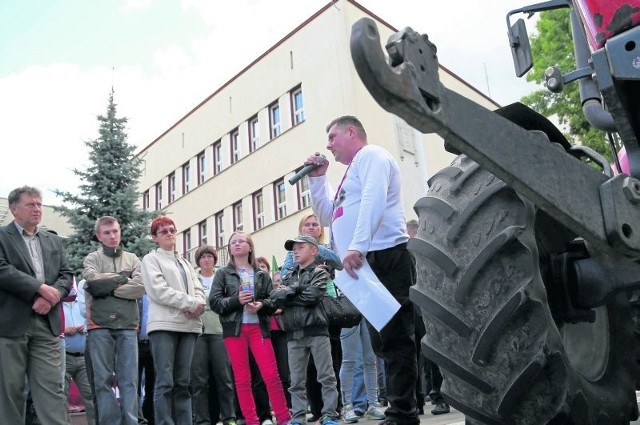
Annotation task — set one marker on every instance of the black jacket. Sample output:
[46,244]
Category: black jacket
[300,300]
[223,299]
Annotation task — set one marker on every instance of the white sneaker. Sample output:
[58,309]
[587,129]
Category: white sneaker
[349,416]
[267,422]
[375,413]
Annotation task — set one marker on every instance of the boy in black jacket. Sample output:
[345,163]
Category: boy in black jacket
[307,333]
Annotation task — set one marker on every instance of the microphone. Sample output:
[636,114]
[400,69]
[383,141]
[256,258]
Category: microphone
[307,169]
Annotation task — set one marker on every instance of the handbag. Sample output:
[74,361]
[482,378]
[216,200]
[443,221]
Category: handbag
[340,311]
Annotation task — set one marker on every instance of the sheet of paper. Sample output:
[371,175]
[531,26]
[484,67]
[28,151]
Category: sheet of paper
[369,295]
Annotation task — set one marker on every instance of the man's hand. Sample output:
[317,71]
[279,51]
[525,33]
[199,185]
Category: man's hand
[352,262]
[49,293]
[321,170]
[41,306]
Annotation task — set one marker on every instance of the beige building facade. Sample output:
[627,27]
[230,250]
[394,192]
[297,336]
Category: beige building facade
[225,165]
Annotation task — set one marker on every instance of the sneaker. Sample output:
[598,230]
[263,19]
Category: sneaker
[349,415]
[327,420]
[440,408]
[267,422]
[374,412]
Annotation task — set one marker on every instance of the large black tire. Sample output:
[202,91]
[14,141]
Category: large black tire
[481,287]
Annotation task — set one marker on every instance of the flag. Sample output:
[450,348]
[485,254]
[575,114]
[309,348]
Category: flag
[274,266]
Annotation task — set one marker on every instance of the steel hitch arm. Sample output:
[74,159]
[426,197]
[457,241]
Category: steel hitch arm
[584,200]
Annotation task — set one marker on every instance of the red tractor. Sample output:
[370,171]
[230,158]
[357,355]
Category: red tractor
[527,256]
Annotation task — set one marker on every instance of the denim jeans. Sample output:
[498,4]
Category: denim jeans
[109,347]
[172,353]
[359,392]
[211,371]
[356,341]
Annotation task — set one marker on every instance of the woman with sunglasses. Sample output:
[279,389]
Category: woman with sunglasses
[176,302]
[237,295]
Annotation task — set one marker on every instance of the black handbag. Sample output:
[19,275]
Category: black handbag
[340,311]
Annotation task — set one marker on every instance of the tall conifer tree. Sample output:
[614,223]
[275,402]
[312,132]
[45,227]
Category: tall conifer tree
[109,186]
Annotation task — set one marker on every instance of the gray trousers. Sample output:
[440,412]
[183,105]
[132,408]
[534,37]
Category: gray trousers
[36,355]
[299,350]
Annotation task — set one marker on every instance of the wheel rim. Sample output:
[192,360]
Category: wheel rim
[587,345]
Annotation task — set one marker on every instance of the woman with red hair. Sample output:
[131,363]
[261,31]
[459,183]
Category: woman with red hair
[176,301]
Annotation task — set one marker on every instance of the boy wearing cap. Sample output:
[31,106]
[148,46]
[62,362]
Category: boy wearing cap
[307,332]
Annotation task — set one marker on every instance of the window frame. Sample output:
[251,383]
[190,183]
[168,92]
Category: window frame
[254,133]
[217,157]
[297,115]
[171,187]
[202,233]
[280,207]
[238,220]
[219,225]
[234,145]
[159,196]
[186,177]
[259,216]
[275,128]
[202,167]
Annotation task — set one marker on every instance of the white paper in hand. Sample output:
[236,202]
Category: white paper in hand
[369,295]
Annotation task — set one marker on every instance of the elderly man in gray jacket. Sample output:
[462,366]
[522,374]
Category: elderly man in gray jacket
[113,285]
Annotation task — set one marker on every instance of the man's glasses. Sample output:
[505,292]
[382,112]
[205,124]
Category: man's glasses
[164,232]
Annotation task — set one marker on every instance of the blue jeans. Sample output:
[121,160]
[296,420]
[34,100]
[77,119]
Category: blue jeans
[355,341]
[109,347]
[359,393]
[172,353]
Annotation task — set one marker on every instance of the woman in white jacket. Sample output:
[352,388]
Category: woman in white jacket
[176,302]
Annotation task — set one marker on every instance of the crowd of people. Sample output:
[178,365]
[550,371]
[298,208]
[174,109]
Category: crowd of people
[157,341]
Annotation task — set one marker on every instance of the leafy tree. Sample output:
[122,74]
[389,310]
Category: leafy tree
[109,187]
[552,45]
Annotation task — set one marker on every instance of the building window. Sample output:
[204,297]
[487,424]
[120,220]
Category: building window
[217,157]
[258,211]
[186,178]
[145,200]
[274,120]
[202,233]
[202,170]
[186,244]
[172,187]
[159,196]
[280,199]
[235,146]
[237,217]
[304,196]
[220,229]
[254,133]
[298,106]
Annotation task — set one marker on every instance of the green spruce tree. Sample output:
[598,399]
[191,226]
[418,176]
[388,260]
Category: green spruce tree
[108,187]
[553,46]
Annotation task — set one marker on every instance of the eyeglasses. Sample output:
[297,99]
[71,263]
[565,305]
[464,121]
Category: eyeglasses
[237,242]
[167,231]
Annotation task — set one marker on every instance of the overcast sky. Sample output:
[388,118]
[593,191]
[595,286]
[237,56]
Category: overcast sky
[60,58]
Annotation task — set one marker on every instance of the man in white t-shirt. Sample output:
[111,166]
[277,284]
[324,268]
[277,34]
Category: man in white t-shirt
[367,221]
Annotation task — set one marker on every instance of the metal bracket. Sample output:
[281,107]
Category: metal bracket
[563,186]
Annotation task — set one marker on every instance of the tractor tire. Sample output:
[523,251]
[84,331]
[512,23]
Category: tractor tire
[489,325]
